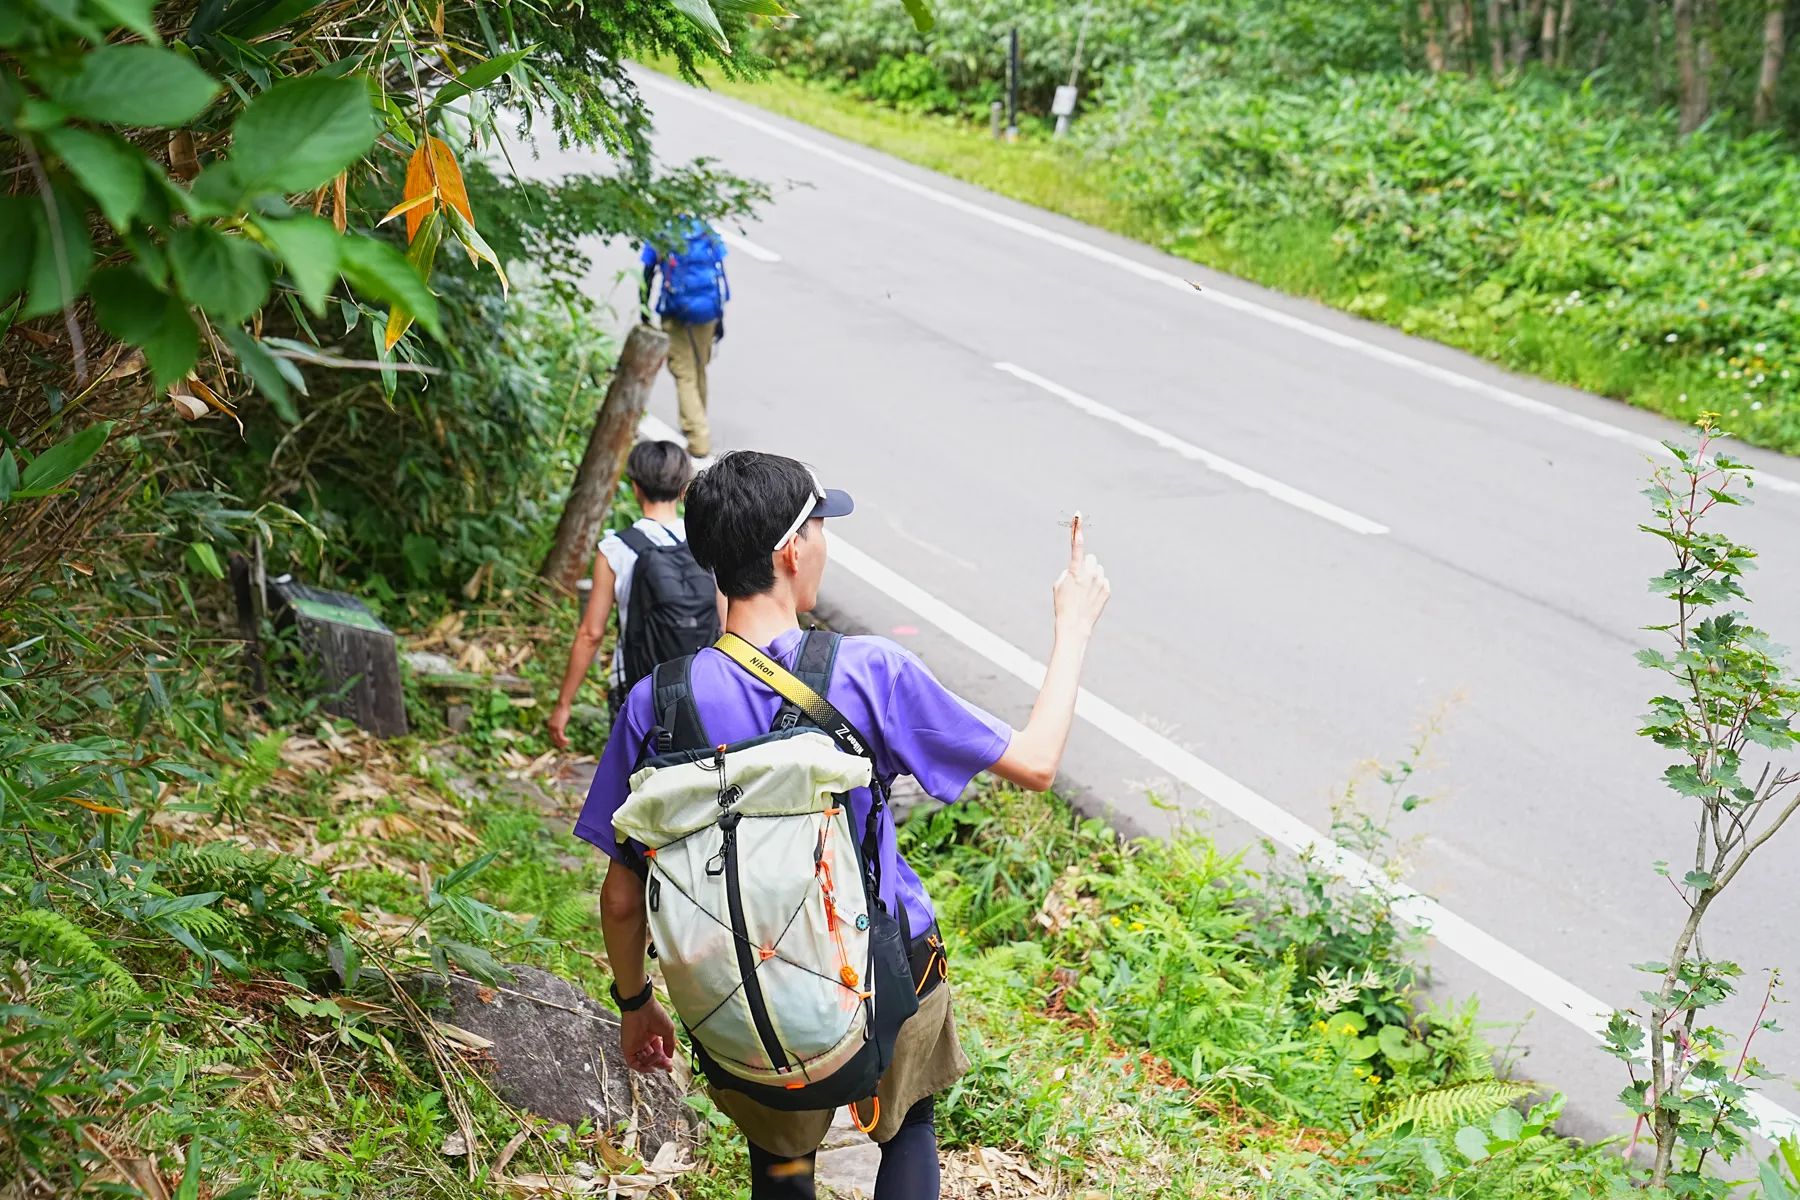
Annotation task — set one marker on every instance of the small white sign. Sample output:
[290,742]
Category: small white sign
[1064,104]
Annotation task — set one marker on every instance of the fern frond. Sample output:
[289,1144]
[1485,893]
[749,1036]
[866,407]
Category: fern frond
[50,933]
[206,922]
[1444,1109]
[567,917]
[1537,1169]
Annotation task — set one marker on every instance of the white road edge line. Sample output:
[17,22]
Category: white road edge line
[1300,325]
[1581,1009]
[1453,932]
[738,241]
[1206,458]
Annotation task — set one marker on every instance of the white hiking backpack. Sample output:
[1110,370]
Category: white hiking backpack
[789,975]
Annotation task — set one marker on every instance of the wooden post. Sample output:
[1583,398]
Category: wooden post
[1774,47]
[1496,38]
[357,661]
[1689,77]
[615,429]
[1434,49]
[243,585]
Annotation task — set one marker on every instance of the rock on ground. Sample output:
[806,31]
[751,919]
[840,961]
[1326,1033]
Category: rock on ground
[556,1054]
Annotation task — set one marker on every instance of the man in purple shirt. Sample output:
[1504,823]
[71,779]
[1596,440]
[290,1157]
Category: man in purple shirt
[756,521]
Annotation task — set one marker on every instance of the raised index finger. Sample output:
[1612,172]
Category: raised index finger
[1075,542]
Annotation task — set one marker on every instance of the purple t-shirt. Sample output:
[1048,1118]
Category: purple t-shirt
[914,724]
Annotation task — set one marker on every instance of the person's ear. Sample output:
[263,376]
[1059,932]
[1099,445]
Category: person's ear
[787,559]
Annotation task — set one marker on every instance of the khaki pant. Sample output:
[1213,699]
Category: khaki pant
[927,1059]
[690,349]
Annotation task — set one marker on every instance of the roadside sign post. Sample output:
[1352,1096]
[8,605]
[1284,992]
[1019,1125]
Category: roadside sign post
[1012,85]
[1063,107]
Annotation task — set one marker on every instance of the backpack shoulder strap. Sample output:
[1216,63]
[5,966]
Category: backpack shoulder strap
[812,666]
[634,537]
[678,724]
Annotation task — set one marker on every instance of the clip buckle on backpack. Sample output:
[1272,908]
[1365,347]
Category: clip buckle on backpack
[787,971]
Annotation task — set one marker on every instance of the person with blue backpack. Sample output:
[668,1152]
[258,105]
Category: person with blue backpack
[691,257]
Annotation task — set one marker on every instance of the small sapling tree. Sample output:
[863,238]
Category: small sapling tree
[1727,715]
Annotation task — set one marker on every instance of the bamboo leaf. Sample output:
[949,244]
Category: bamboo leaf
[481,75]
[57,464]
[432,168]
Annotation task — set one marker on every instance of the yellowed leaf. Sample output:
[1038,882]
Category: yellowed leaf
[433,167]
[93,807]
[406,206]
[398,322]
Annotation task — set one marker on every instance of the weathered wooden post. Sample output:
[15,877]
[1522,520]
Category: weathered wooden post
[357,661]
[614,431]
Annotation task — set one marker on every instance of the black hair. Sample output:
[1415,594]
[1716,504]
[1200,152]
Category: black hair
[736,509]
[660,469]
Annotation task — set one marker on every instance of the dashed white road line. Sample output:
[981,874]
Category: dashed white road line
[1545,987]
[738,241]
[1211,295]
[1256,480]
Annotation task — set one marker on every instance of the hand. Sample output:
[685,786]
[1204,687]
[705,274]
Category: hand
[647,1038]
[558,724]
[1081,590]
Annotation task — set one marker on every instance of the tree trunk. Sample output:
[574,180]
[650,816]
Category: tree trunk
[1656,50]
[1709,34]
[1605,32]
[615,428]
[1565,27]
[1774,48]
[1547,39]
[1434,49]
[1524,20]
[1462,25]
[1688,76]
[1496,31]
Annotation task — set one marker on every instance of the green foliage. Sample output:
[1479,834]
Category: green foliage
[1729,720]
[1560,224]
[49,933]
[1159,951]
[1447,1109]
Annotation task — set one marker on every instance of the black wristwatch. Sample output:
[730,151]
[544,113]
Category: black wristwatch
[636,1002]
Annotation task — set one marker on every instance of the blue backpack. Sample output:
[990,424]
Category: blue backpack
[694,287]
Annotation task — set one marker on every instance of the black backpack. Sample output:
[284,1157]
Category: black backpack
[673,609]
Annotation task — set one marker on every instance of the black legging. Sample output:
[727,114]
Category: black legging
[909,1164]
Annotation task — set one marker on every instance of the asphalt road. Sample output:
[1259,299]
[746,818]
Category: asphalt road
[1268,632]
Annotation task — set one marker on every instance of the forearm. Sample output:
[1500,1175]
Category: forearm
[1035,752]
[625,926]
[581,660]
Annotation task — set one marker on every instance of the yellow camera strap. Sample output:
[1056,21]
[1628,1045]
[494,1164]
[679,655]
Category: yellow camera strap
[786,685]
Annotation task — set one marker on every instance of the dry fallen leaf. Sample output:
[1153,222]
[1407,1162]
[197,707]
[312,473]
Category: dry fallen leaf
[462,1037]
